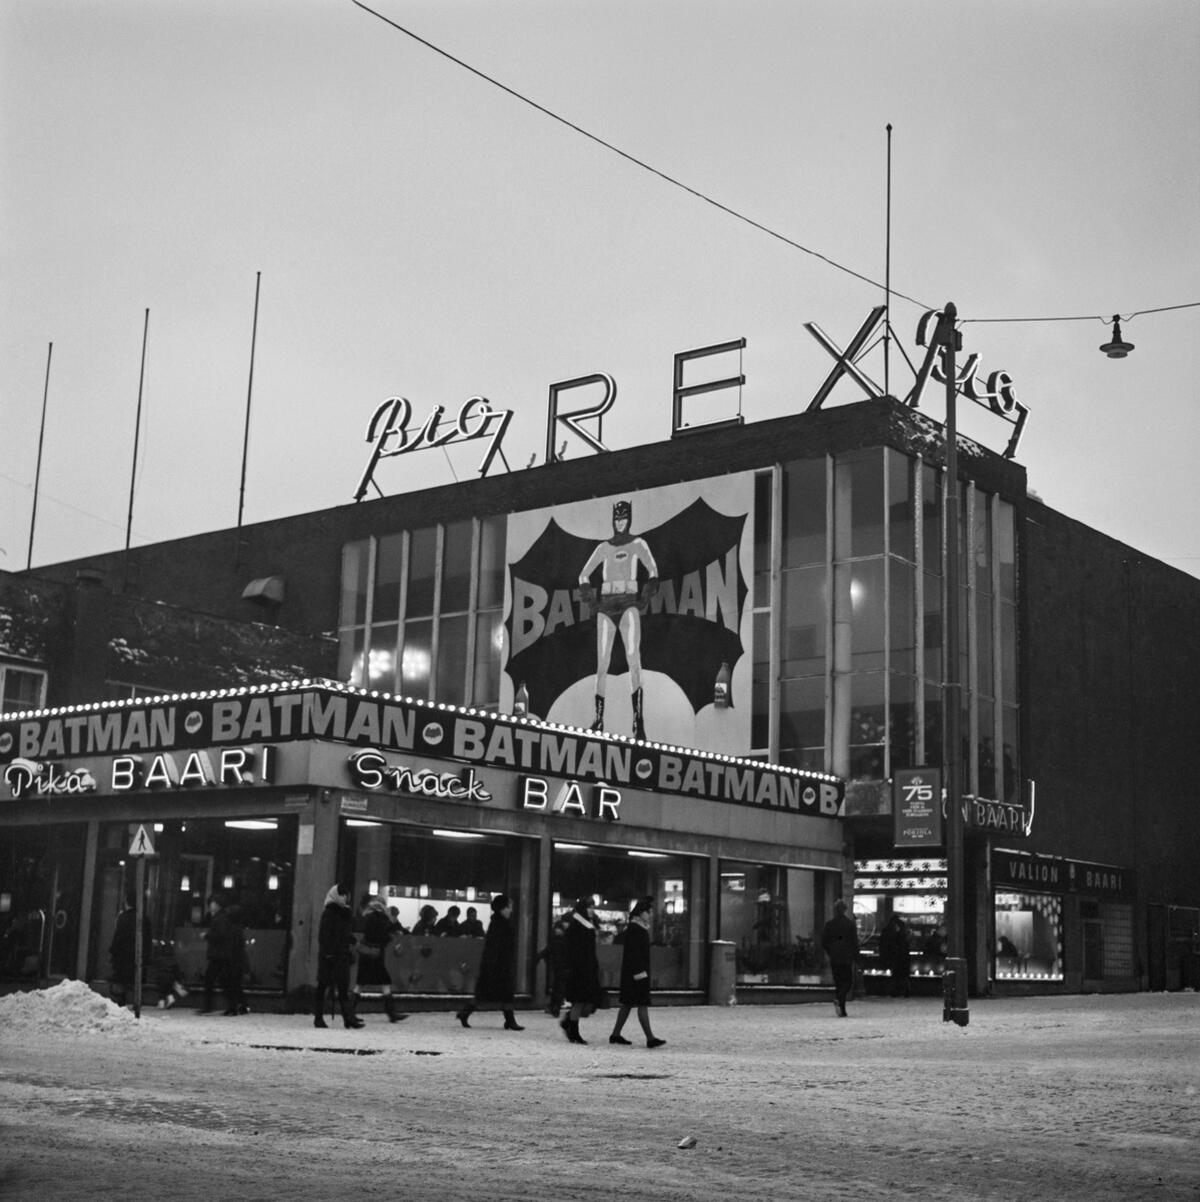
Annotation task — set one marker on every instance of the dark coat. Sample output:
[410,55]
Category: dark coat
[635,966]
[335,934]
[225,940]
[840,940]
[377,933]
[894,948]
[497,981]
[123,949]
[582,983]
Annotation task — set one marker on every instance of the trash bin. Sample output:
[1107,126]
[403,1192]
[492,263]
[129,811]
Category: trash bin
[722,974]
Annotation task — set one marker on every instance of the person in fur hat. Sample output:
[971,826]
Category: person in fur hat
[496,982]
[335,945]
[635,975]
[375,935]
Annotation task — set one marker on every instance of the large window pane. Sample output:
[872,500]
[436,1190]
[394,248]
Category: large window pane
[803,649]
[452,660]
[381,660]
[983,641]
[901,620]
[1006,551]
[774,916]
[355,561]
[868,729]
[762,538]
[417,659]
[932,627]
[352,663]
[802,722]
[1029,937]
[986,750]
[981,542]
[489,635]
[804,512]
[456,568]
[1008,652]
[616,879]
[867,602]
[491,562]
[902,537]
[422,559]
[418,870]
[931,518]
[902,721]
[389,568]
[863,472]
[1009,756]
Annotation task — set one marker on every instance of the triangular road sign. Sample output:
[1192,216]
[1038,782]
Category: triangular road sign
[141,845]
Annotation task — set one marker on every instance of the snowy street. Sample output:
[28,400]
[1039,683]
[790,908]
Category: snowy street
[1067,1098]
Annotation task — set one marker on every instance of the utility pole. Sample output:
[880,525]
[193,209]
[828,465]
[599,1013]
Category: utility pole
[954,979]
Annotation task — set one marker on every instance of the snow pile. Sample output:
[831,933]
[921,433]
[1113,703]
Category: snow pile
[70,1007]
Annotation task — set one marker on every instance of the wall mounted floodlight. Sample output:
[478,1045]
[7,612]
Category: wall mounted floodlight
[1118,348]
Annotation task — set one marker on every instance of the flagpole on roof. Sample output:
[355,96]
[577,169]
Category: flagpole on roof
[137,429]
[37,476]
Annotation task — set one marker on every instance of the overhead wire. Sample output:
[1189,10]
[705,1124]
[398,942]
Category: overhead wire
[724,208]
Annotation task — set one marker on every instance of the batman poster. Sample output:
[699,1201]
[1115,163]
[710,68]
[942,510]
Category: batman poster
[630,614]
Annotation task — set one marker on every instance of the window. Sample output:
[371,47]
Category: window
[422,610]
[1029,937]
[615,878]
[774,916]
[21,688]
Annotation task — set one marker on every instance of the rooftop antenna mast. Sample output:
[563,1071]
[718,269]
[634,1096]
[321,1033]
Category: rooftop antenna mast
[246,433]
[37,476]
[137,429]
[887,271]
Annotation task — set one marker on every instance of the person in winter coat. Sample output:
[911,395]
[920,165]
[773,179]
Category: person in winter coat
[893,952]
[375,935]
[335,945]
[635,975]
[555,955]
[839,938]
[427,920]
[582,984]
[225,952]
[123,950]
[496,982]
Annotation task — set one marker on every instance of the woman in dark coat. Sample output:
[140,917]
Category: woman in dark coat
[376,934]
[582,985]
[123,950]
[496,982]
[335,943]
[635,975]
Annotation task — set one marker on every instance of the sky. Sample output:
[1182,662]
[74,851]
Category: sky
[411,228]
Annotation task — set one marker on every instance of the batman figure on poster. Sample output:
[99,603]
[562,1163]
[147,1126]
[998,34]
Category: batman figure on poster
[668,601]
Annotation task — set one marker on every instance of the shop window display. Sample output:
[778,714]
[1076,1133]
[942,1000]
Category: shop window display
[773,915]
[615,879]
[1029,937]
[247,862]
[915,891]
[430,881]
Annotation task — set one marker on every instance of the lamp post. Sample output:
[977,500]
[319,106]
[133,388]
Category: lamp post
[954,979]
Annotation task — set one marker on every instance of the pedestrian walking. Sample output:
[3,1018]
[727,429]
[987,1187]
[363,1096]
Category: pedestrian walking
[555,956]
[839,938]
[582,984]
[374,938]
[635,975]
[123,950]
[496,982]
[894,949]
[335,946]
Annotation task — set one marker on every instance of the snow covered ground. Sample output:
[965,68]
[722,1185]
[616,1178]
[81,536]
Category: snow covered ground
[1064,1098]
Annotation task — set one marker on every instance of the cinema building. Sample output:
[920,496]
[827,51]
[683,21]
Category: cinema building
[708,670]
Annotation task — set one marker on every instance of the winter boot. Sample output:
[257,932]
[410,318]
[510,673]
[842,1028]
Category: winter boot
[464,1014]
[510,1022]
[599,723]
[639,726]
[389,1008]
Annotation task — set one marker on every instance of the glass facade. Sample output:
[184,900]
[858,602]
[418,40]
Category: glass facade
[848,632]
[21,688]
[422,612]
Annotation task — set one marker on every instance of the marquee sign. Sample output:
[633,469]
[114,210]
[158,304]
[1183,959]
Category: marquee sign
[225,738]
